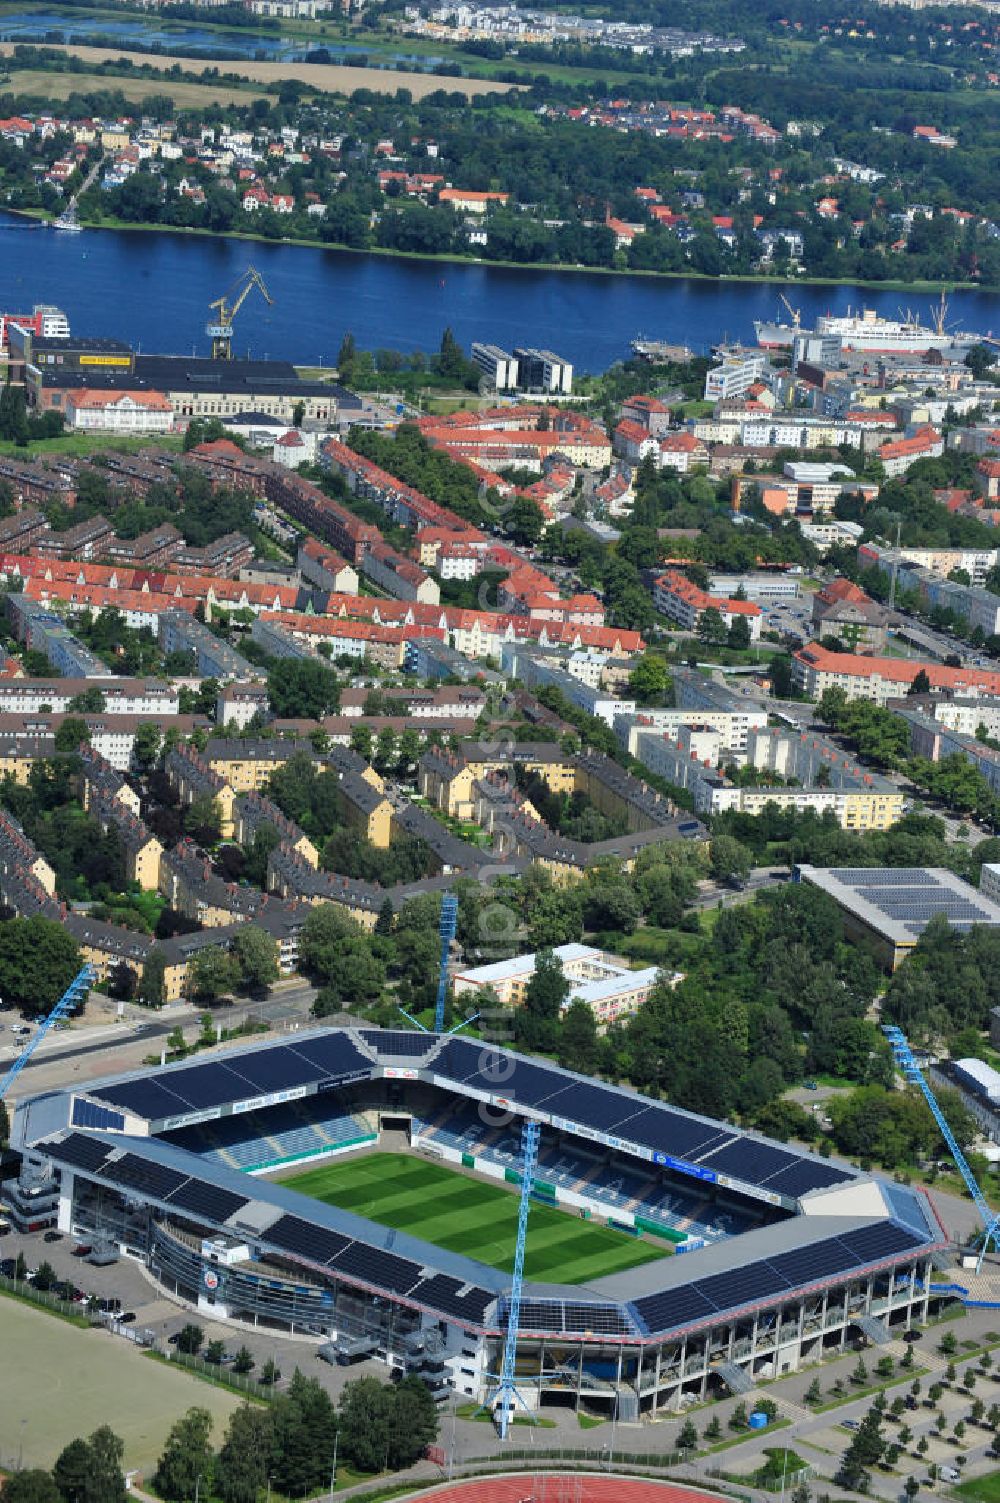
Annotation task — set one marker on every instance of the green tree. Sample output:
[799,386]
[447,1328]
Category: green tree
[863,1454]
[544,996]
[242,1464]
[579,1045]
[203,819]
[243,1362]
[256,954]
[38,960]
[299,689]
[687,1439]
[211,973]
[186,1457]
[147,745]
[451,360]
[305,1429]
[71,1472]
[921,684]
[189,1339]
[30,1486]
[70,734]
[364,1419]
[106,1481]
[649,679]
[711,627]
[152,989]
[729,859]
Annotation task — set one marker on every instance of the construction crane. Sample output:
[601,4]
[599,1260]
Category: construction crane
[446,932]
[220,328]
[504,1396]
[70,999]
[903,1055]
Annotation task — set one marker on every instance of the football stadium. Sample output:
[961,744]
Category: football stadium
[360,1187]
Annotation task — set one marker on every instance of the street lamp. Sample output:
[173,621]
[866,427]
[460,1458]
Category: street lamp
[269,1487]
[333,1465]
[197,1487]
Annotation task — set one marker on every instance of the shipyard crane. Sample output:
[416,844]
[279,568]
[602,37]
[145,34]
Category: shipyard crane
[226,307]
[71,998]
[795,312]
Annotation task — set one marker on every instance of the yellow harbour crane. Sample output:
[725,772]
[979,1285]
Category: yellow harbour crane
[795,312]
[226,307]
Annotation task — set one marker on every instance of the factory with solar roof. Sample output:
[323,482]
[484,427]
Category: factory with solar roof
[767,1257]
[888,908]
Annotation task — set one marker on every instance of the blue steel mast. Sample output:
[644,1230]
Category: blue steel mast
[506,1392]
[446,929]
[74,994]
[903,1055]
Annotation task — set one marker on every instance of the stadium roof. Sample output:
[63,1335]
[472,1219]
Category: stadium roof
[249,1079]
[847,1222]
[671,1293]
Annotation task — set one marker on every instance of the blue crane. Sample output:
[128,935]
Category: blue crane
[446,930]
[903,1055]
[70,999]
[503,1397]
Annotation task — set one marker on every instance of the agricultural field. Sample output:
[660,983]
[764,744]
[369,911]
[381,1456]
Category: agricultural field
[59,86]
[330,78]
[466,1215]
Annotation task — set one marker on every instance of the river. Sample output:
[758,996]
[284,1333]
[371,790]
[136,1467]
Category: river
[153,288]
[41,28]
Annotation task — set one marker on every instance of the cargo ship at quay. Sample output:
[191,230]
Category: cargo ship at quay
[867,332]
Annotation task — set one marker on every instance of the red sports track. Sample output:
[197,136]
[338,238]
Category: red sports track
[564,1487]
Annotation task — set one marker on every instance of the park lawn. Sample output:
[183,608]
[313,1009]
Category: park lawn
[466,1215]
[980,1489]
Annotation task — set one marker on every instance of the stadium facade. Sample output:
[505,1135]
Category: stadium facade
[780,1256]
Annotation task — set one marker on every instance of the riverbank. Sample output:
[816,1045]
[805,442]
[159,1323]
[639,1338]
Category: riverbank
[454,258]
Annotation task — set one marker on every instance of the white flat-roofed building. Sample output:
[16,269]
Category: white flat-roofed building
[499,367]
[756,587]
[604,982]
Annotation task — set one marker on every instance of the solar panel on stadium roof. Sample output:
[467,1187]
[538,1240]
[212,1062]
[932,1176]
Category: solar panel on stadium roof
[272,1069]
[591,1106]
[804,1175]
[442,1293]
[673,1307]
[81,1152]
[805,1265]
[205,1200]
[539,1315]
[670,1132]
[312,1242]
[397,1042]
[205,1086]
[459,1059]
[746,1159]
[146,1098]
[742,1286]
[377,1267]
[333,1055]
[871,1243]
[136,1173]
[605,1318]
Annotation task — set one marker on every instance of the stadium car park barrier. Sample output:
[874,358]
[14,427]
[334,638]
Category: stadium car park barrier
[22,1290]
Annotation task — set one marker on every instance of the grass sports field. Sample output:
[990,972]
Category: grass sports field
[468,1215]
[58,1382]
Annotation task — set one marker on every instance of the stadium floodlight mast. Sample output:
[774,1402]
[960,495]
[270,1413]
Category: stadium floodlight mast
[70,999]
[502,1398]
[903,1055]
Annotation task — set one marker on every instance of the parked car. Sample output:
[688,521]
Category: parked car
[53,1236]
[82,1249]
[127,1318]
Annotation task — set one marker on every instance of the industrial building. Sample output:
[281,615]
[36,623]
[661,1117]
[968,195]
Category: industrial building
[888,908]
[787,1256]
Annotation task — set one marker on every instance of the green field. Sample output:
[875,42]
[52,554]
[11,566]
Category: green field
[469,1216]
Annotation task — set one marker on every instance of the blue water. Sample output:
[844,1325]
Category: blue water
[38,27]
[154,289]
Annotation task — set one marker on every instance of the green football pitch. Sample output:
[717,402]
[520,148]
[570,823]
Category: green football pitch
[468,1215]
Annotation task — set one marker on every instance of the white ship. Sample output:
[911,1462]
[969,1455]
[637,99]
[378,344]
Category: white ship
[868,333]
